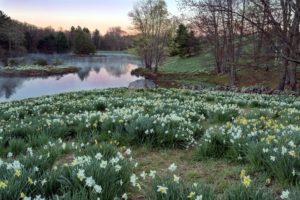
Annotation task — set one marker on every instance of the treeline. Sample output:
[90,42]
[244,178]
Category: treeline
[18,38]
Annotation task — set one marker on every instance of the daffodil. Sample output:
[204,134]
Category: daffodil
[246,181]
[175,178]
[30,181]
[3,184]
[81,175]
[285,194]
[191,195]
[22,195]
[17,173]
[162,189]
[243,173]
[292,153]
[199,197]
[172,167]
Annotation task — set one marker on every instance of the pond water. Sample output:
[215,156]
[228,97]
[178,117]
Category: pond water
[104,70]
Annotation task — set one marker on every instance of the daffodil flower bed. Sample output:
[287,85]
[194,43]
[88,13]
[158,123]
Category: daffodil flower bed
[96,171]
[69,146]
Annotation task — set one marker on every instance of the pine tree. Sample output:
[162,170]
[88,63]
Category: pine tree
[61,43]
[96,39]
[83,43]
[181,40]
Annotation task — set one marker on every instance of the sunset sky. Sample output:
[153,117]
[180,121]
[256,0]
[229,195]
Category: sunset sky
[100,14]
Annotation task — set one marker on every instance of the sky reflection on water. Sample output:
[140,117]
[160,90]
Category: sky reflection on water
[98,72]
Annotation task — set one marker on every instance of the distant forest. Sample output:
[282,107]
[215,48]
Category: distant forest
[18,38]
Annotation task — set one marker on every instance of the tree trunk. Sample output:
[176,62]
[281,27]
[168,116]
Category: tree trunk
[283,78]
[292,75]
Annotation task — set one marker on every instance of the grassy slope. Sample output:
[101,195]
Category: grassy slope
[217,172]
[191,70]
[201,63]
[199,70]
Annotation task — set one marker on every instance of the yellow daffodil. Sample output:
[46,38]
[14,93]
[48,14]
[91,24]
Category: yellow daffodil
[243,173]
[191,195]
[3,184]
[17,173]
[246,181]
[30,181]
[292,153]
[22,195]
[162,189]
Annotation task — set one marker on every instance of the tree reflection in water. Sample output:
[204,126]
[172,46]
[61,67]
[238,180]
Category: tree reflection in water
[111,70]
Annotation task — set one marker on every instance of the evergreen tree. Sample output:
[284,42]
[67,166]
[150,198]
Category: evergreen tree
[61,43]
[47,44]
[96,39]
[186,43]
[72,37]
[193,45]
[181,40]
[83,43]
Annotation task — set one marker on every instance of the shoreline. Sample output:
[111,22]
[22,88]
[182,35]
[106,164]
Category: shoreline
[43,72]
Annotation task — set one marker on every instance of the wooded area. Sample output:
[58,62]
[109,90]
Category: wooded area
[240,33]
[269,29]
[18,38]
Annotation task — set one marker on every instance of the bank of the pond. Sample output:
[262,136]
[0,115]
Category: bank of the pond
[36,71]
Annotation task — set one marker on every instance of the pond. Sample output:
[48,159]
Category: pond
[103,70]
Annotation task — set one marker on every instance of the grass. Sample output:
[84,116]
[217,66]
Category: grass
[131,51]
[219,173]
[37,70]
[199,70]
[196,64]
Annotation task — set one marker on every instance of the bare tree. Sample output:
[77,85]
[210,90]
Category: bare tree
[273,27]
[151,19]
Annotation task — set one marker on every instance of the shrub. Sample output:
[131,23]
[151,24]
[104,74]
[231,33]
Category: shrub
[41,62]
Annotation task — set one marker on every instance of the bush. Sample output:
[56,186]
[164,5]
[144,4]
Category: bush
[13,62]
[41,62]
[57,62]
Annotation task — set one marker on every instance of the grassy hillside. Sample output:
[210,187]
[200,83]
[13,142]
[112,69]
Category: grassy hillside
[159,144]
[201,63]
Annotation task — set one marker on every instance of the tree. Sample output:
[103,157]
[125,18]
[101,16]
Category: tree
[114,39]
[48,44]
[96,39]
[151,19]
[61,43]
[181,40]
[186,42]
[11,35]
[271,28]
[72,37]
[83,43]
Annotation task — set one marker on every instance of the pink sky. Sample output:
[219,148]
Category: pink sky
[100,14]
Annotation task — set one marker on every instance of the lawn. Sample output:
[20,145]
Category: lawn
[201,63]
[156,144]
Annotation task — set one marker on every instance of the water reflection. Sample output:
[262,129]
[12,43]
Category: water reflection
[100,71]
